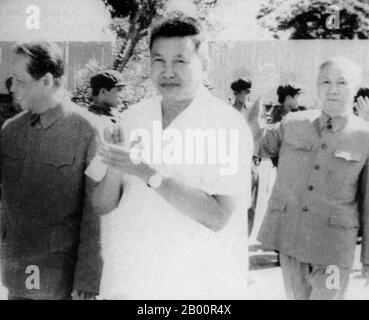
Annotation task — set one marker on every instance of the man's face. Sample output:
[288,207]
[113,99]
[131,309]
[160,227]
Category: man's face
[336,90]
[27,91]
[113,97]
[292,102]
[176,68]
[241,96]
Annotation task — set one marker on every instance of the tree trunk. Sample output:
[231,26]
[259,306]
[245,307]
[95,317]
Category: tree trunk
[128,50]
[128,46]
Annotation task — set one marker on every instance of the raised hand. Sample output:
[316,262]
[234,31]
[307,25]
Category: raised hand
[362,107]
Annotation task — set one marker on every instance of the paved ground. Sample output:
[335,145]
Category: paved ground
[267,283]
[266,276]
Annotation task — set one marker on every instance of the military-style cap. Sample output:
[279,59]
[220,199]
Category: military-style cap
[241,84]
[106,79]
[289,89]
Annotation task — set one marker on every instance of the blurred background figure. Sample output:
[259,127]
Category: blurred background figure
[241,90]
[8,107]
[288,99]
[107,94]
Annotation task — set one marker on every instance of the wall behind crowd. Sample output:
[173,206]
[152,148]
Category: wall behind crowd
[271,63]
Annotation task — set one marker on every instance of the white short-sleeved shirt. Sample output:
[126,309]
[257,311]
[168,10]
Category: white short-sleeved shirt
[153,251]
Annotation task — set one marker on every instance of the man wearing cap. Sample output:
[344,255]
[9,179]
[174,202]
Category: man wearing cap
[241,89]
[107,88]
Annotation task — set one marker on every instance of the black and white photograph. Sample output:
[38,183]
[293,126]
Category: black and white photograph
[176,150]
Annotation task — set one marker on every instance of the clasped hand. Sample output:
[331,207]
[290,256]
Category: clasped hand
[123,159]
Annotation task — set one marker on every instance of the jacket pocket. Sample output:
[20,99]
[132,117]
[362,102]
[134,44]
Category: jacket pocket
[349,156]
[277,206]
[299,144]
[342,221]
[59,159]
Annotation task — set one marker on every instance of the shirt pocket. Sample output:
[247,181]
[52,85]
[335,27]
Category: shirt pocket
[346,167]
[295,154]
[59,159]
[351,157]
[342,221]
[277,206]
[298,144]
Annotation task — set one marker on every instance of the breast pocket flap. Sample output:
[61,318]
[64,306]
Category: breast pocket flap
[299,144]
[348,155]
[346,222]
[59,160]
[277,206]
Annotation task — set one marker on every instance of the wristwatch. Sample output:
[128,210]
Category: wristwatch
[155,181]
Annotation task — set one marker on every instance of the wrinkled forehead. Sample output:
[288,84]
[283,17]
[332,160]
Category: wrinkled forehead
[346,70]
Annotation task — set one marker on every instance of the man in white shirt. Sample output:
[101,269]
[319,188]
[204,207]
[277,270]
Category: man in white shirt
[241,90]
[177,199]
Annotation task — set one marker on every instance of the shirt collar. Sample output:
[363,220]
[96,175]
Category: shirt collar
[100,111]
[49,117]
[238,105]
[198,102]
[338,123]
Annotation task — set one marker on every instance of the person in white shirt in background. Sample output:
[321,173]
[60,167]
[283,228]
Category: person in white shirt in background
[176,228]
[241,90]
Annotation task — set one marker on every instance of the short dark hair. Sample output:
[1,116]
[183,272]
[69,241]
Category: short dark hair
[241,85]
[287,90]
[178,26]
[45,57]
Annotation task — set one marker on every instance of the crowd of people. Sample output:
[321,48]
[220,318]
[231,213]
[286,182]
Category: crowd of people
[157,202]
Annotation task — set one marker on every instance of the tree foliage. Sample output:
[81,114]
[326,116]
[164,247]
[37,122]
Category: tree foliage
[132,19]
[306,19]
